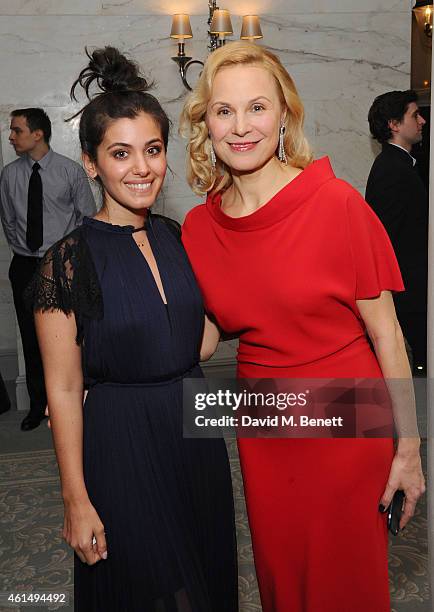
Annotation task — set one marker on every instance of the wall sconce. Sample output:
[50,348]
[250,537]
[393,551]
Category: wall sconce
[219,26]
[251,28]
[423,10]
[181,29]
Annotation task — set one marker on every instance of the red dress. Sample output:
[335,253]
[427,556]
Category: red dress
[286,278]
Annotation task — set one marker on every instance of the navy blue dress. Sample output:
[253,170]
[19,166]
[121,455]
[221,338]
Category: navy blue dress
[165,501]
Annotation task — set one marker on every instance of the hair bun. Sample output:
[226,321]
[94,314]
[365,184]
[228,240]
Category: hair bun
[112,71]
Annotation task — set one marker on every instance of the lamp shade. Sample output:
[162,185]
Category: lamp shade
[221,22]
[251,27]
[181,27]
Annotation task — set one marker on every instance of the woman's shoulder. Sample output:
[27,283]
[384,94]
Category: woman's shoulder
[339,188]
[339,197]
[173,226]
[67,243]
[69,257]
[350,205]
[195,216]
[66,280]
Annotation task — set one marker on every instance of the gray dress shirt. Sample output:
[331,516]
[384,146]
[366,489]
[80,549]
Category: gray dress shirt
[67,198]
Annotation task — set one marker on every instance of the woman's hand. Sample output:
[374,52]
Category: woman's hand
[406,474]
[84,532]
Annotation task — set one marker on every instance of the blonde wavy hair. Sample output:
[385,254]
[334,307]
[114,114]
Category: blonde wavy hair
[201,176]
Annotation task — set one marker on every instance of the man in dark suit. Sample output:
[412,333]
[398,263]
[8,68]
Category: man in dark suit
[398,196]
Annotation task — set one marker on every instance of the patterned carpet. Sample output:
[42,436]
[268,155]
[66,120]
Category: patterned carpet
[34,557]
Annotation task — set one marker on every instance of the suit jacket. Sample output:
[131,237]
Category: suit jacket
[398,196]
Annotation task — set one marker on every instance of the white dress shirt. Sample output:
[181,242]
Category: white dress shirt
[67,198]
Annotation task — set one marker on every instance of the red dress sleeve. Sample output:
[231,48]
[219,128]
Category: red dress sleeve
[375,266]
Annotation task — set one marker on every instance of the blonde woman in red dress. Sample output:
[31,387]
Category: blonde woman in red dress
[294,261]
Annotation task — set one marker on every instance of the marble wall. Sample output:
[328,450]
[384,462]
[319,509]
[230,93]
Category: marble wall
[341,53]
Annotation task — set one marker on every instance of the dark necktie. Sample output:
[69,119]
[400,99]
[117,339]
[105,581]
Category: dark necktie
[34,235]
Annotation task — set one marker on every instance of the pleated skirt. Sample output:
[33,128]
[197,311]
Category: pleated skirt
[166,504]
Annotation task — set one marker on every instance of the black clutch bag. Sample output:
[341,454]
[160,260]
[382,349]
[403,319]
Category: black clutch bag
[394,512]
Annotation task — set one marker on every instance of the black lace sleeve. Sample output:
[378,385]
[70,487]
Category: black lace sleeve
[67,280]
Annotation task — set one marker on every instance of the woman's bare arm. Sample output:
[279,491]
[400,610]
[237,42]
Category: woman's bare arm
[383,328]
[61,358]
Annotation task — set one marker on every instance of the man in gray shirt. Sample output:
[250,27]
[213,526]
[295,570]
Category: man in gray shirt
[43,196]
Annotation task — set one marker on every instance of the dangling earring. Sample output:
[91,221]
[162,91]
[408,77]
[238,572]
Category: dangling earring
[212,155]
[282,154]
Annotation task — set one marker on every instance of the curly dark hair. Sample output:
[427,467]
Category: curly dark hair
[390,105]
[122,94]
